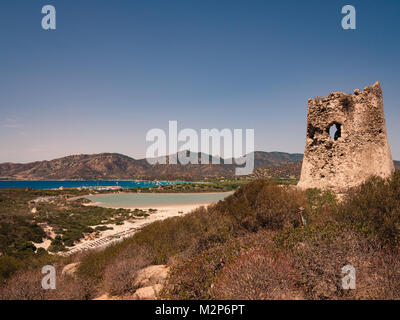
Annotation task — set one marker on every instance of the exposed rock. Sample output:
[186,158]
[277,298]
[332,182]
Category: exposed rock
[149,282]
[358,150]
[106,296]
[70,269]
[151,276]
[147,293]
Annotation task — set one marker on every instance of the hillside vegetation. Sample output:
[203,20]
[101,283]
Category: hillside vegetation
[263,242]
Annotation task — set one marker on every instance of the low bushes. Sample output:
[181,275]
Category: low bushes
[26,285]
[374,209]
[253,245]
[120,274]
[195,278]
[254,206]
[302,262]
[263,204]
[15,230]
[259,274]
[9,264]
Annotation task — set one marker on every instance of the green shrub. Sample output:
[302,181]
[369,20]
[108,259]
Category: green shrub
[263,204]
[41,251]
[57,245]
[374,209]
[194,278]
[102,228]
[8,265]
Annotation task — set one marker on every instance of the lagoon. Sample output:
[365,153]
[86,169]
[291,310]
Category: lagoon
[156,200]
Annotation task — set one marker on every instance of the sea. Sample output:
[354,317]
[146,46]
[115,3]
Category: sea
[95,184]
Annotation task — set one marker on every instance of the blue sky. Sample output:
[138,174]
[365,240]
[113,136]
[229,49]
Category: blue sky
[112,70]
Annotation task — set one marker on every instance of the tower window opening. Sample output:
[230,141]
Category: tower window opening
[335,131]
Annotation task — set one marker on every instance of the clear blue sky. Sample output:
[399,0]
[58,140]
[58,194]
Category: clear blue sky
[115,69]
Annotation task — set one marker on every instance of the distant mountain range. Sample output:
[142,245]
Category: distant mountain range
[109,166]
[114,166]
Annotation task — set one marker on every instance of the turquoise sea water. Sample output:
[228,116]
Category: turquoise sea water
[42,184]
[148,200]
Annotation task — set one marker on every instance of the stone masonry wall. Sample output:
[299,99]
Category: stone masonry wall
[359,148]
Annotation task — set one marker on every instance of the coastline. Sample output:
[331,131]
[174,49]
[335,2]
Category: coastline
[133,225]
[130,227]
[61,184]
[148,192]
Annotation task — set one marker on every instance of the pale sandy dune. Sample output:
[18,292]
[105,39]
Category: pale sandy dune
[127,229]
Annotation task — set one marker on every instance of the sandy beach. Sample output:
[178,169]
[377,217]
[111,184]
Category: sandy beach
[128,228]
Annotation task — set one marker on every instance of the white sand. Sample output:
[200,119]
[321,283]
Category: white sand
[161,214]
[45,244]
[128,228]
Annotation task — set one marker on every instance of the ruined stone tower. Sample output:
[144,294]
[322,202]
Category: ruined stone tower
[357,150]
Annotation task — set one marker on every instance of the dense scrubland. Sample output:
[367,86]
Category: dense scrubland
[21,229]
[70,220]
[263,242]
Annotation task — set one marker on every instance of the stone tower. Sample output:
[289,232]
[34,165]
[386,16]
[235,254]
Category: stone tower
[357,150]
